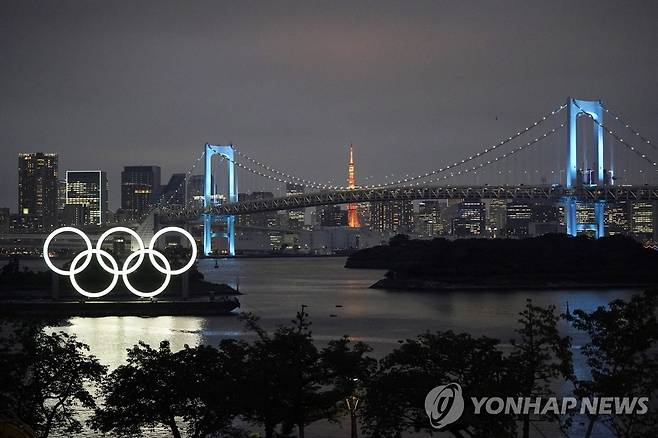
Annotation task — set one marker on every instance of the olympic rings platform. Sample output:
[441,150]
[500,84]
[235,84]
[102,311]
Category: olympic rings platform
[145,308]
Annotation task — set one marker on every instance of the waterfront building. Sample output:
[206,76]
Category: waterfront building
[617,218]
[268,219]
[4,220]
[642,220]
[140,189]
[87,188]
[429,222]
[295,216]
[333,216]
[75,215]
[471,219]
[518,218]
[38,187]
[61,196]
[174,192]
[395,216]
[365,215]
[497,216]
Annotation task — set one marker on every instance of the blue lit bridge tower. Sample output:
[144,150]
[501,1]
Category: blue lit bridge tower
[211,198]
[594,109]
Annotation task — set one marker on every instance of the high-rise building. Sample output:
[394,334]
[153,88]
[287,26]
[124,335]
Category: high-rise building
[195,187]
[395,216]
[88,188]
[140,189]
[497,216]
[642,220]
[268,219]
[333,216]
[296,216]
[365,215]
[544,213]
[585,213]
[519,216]
[471,219]
[174,192]
[617,218]
[61,196]
[5,218]
[545,219]
[37,186]
[352,209]
[429,221]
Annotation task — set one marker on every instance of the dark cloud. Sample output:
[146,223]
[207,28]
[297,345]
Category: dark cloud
[411,84]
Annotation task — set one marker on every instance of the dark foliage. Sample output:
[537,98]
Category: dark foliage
[623,360]
[395,397]
[550,258]
[197,388]
[44,378]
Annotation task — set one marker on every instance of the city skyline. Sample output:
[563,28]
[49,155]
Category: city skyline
[407,84]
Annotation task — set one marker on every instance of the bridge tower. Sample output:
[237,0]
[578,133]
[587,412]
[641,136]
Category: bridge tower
[594,109]
[210,198]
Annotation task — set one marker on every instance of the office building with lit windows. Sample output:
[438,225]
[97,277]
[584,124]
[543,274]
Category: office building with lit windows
[518,218]
[471,219]
[140,189]
[38,187]
[617,218]
[642,220]
[88,188]
[395,216]
[295,216]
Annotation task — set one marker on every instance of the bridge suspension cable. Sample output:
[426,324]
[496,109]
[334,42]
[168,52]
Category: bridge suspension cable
[164,204]
[630,128]
[501,156]
[296,180]
[293,179]
[477,155]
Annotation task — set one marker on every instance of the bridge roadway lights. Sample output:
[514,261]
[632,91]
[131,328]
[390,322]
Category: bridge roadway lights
[209,199]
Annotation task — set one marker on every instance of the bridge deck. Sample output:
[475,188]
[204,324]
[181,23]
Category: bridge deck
[539,192]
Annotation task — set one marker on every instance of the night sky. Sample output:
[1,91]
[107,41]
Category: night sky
[412,84]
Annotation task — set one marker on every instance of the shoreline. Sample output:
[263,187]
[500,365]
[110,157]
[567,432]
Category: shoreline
[445,286]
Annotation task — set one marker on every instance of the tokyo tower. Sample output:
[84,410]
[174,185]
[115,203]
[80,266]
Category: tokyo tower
[352,209]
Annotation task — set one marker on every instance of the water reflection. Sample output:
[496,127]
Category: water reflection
[274,289]
[109,337]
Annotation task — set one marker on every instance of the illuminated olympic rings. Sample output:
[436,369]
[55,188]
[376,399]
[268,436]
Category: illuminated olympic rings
[113,267]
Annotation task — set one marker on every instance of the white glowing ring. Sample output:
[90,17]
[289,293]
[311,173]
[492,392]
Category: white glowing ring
[151,253]
[99,253]
[192,244]
[46,248]
[114,269]
[141,251]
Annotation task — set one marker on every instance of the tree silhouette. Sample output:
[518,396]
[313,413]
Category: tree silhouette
[45,377]
[540,357]
[395,397]
[348,367]
[623,360]
[198,388]
[293,383]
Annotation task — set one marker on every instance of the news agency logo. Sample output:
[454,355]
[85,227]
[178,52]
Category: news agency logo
[444,405]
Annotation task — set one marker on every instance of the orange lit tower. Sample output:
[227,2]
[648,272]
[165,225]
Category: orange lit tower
[352,209]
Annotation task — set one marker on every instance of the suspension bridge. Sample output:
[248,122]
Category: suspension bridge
[611,163]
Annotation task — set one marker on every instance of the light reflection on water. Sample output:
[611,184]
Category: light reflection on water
[274,289]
